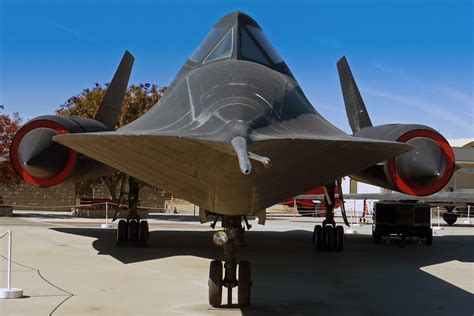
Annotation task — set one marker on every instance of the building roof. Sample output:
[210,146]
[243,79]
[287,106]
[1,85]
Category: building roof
[461,142]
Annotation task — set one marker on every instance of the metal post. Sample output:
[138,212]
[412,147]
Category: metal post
[350,230]
[468,220]
[438,214]
[438,227]
[431,217]
[353,212]
[438,217]
[107,225]
[9,273]
[9,291]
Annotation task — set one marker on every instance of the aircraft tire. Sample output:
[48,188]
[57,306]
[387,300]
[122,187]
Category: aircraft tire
[450,218]
[245,283]
[317,237]
[335,239]
[122,231]
[144,231]
[323,239]
[133,230]
[329,236]
[340,238]
[215,283]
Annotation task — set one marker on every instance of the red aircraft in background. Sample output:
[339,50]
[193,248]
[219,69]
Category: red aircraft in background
[312,207]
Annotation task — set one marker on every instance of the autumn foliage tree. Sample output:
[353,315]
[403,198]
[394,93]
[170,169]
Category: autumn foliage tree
[138,100]
[9,125]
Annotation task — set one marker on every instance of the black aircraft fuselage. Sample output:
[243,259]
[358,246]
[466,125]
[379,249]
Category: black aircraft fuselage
[234,134]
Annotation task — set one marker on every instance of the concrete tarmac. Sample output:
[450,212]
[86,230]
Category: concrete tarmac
[72,267]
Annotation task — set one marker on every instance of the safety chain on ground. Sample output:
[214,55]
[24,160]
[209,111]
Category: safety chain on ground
[68,294]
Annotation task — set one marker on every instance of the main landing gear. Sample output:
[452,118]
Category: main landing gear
[329,236]
[228,275]
[132,231]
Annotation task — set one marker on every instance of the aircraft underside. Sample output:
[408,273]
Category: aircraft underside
[206,174]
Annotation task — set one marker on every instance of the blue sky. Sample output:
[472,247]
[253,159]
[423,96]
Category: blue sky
[413,60]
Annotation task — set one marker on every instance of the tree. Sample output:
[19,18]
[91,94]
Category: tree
[138,99]
[9,125]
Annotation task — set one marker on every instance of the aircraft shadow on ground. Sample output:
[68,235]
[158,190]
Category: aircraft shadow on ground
[290,278]
[174,217]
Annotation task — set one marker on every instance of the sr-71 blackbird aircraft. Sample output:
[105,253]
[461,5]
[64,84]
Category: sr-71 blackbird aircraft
[233,134]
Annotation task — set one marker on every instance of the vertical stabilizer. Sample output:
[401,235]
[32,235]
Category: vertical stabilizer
[355,107]
[109,110]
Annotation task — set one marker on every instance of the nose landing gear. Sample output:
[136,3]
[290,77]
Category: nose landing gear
[228,239]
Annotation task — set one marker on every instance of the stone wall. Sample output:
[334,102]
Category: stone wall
[152,197]
[149,196]
[25,196]
[63,196]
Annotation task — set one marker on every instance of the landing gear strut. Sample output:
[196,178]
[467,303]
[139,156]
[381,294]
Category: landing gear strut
[132,230]
[229,277]
[329,236]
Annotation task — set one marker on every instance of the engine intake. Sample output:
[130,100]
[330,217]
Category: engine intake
[40,161]
[422,171]
[426,169]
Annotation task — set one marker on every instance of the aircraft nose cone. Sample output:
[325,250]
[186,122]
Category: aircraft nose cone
[424,165]
[40,156]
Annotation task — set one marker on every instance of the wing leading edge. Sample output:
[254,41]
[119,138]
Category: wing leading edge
[207,173]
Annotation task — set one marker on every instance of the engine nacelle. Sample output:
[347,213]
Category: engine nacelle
[40,161]
[422,171]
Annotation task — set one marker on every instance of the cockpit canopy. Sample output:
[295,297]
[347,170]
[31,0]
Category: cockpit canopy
[215,46]
[237,36]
